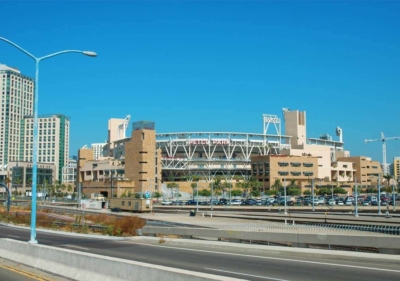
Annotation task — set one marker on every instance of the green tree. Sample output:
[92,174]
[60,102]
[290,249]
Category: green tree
[323,191]
[69,188]
[171,186]
[205,192]
[293,191]
[387,177]
[157,195]
[216,186]
[277,186]
[236,192]
[339,190]
[307,192]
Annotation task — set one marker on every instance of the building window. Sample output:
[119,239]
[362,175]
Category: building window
[142,136]
[123,203]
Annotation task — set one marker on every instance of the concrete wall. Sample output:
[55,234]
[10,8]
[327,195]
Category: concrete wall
[85,266]
[385,244]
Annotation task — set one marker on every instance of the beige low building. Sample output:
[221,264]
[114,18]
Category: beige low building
[269,168]
[140,172]
[366,170]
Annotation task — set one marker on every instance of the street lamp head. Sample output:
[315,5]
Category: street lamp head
[90,53]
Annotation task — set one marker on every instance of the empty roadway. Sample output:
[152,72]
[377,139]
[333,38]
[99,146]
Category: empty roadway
[221,261]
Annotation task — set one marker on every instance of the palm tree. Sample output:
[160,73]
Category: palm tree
[387,177]
[277,185]
[171,186]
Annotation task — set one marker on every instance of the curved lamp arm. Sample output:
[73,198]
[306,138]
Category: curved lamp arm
[18,47]
[87,53]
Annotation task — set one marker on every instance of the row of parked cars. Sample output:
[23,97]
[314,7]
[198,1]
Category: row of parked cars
[290,201]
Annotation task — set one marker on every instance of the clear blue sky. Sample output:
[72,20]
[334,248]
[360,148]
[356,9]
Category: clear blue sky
[215,65]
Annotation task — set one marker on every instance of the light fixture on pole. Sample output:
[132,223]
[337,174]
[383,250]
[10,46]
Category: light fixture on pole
[284,186]
[379,194]
[356,203]
[35,125]
[312,191]
[197,196]
[393,198]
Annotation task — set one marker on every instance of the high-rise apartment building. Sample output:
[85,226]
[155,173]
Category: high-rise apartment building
[17,99]
[53,142]
[98,150]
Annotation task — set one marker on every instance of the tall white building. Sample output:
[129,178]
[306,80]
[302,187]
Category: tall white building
[17,100]
[98,150]
[53,143]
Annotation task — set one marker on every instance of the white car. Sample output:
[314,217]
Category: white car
[166,202]
[332,202]
[236,202]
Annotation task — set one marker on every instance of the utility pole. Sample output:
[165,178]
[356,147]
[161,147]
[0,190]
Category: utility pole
[197,199]
[284,183]
[212,196]
[379,194]
[393,198]
[355,189]
[312,191]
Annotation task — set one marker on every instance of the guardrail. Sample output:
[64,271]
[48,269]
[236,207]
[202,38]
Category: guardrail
[384,243]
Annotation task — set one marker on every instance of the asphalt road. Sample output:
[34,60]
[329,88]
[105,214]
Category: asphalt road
[222,262]
[12,271]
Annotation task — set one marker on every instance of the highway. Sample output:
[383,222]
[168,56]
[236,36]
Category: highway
[226,262]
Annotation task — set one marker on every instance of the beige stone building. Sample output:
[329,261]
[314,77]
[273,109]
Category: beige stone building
[396,169]
[324,148]
[138,173]
[269,168]
[366,170]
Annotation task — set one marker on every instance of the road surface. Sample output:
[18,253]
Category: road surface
[227,262]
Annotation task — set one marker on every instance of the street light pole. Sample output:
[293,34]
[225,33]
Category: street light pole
[212,195]
[393,198]
[312,190]
[379,194]
[284,184]
[197,196]
[35,125]
[355,189]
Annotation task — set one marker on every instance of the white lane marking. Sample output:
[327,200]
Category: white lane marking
[13,236]
[77,247]
[244,274]
[271,258]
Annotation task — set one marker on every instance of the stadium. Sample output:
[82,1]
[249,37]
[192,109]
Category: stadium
[205,155]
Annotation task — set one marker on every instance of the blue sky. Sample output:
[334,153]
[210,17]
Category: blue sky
[214,65]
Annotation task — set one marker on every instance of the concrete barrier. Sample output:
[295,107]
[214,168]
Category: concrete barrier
[86,266]
[385,244]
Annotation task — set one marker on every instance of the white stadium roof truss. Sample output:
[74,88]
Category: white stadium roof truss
[207,154]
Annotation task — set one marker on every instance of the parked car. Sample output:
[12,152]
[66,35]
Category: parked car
[236,202]
[191,202]
[250,202]
[223,201]
[366,202]
[116,210]
[166,202]
[331,202]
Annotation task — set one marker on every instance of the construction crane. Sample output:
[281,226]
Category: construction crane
[383,139]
